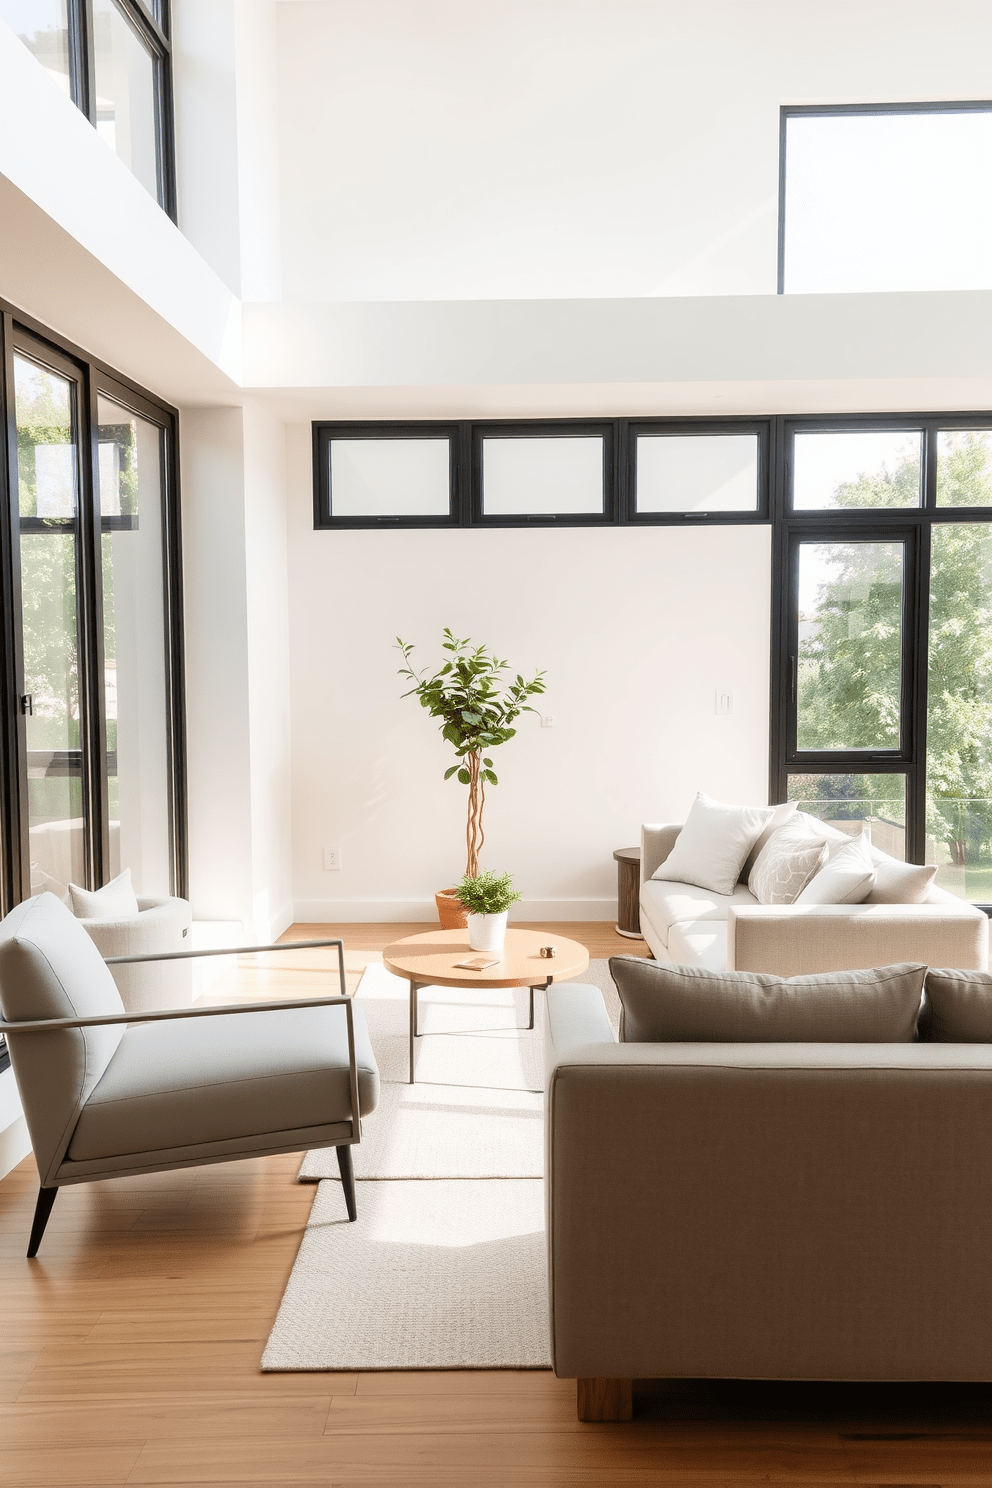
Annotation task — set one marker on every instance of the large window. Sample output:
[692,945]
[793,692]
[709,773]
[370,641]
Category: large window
[113,58]
[882,678]
[91,725]
[885,197]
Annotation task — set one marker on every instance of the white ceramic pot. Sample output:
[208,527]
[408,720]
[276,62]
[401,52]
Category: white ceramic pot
[486,932]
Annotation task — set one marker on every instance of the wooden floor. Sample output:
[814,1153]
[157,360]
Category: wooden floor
[129,1355]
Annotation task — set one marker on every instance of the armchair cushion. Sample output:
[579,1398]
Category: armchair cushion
[182,1085]
[115,901]
[686,1004]
[49,968]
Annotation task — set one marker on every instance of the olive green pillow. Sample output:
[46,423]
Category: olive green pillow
[958,1007]
[687,1004]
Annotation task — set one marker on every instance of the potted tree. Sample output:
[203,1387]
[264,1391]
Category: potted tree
[487,900]
[477,711]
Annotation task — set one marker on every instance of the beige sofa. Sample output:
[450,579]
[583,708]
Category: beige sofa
[775,1211]
[692,926]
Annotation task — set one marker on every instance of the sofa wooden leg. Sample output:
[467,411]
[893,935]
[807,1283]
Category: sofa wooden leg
[605,1399]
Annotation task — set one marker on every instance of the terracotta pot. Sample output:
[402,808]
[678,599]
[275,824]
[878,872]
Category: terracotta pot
[450,910]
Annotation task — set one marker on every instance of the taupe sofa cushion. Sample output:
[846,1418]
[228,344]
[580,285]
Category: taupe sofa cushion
[687,1004]
[958,1008]
[233,1077]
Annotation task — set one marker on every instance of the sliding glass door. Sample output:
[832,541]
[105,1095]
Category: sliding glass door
[91,749]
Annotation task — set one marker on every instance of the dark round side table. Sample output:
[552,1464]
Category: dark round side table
[628,892]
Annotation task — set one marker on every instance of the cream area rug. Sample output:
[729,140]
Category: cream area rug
[450,1273]
[476,1110]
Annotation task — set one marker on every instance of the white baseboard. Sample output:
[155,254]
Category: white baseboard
[281,921]
[423,911]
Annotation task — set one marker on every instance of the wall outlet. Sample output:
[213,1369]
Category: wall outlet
[724,700]
[547,720]
[332,859]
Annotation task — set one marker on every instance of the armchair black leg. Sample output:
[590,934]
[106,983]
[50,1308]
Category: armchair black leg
[347,1171]
[43,1208]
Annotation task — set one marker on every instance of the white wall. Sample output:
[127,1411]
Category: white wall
[636,629]
[460,149]
[237,689]
[267,596]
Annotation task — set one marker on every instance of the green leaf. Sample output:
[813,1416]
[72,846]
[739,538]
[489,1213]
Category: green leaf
[448,773]
[464,776]
[490,777]
[487,762]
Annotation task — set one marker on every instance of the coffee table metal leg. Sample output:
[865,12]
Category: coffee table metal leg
[531,1023]
[413,1024]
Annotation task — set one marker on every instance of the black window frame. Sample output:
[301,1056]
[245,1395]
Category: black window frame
[763,428]
[915,526]
[19,332]
[788,111]
[619,468]
[155,37]
[605,429]
[324,433]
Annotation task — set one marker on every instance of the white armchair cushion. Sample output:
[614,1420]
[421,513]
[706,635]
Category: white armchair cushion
[711,848]
[847,878]
[115,901]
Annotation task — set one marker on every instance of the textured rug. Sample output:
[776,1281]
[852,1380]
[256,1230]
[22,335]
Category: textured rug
[446,1274]
[476,1109]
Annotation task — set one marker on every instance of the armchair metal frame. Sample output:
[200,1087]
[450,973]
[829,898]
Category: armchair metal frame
[46,1196]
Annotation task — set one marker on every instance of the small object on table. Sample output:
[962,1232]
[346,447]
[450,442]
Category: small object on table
[628,892]
[433,959]
[547,952]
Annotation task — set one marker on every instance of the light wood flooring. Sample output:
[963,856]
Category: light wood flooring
[129,1355]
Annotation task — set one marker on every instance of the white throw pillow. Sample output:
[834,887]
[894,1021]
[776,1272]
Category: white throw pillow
[847,878]
[900,883]
[829,834]
[786,863]
[115,901]
[711,847]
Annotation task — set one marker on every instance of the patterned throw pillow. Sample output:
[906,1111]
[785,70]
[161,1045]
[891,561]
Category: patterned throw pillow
[786,864]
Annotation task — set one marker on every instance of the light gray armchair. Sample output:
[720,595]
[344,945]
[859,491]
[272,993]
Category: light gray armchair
[108,1093]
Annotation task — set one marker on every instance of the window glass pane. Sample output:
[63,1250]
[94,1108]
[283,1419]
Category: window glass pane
[697,472]
[850,658]
[134,646]
[959,709]
[125,93]
[390,477]
[47,468]
[542,476]
[875,804]
[964,467]
[854,213]
[43,27]
[868,468]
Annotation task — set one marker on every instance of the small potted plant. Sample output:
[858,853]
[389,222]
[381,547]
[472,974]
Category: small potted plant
[487,898]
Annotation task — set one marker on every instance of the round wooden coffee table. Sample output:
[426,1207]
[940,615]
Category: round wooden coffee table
[429,960]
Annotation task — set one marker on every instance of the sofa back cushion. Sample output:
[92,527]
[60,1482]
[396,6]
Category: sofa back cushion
[847,878]
[687,1004]
[786,863]
[711,848]
[900,883]
[958,1007]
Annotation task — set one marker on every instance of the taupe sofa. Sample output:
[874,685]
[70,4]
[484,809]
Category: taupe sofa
[694,927]
[776,1211]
